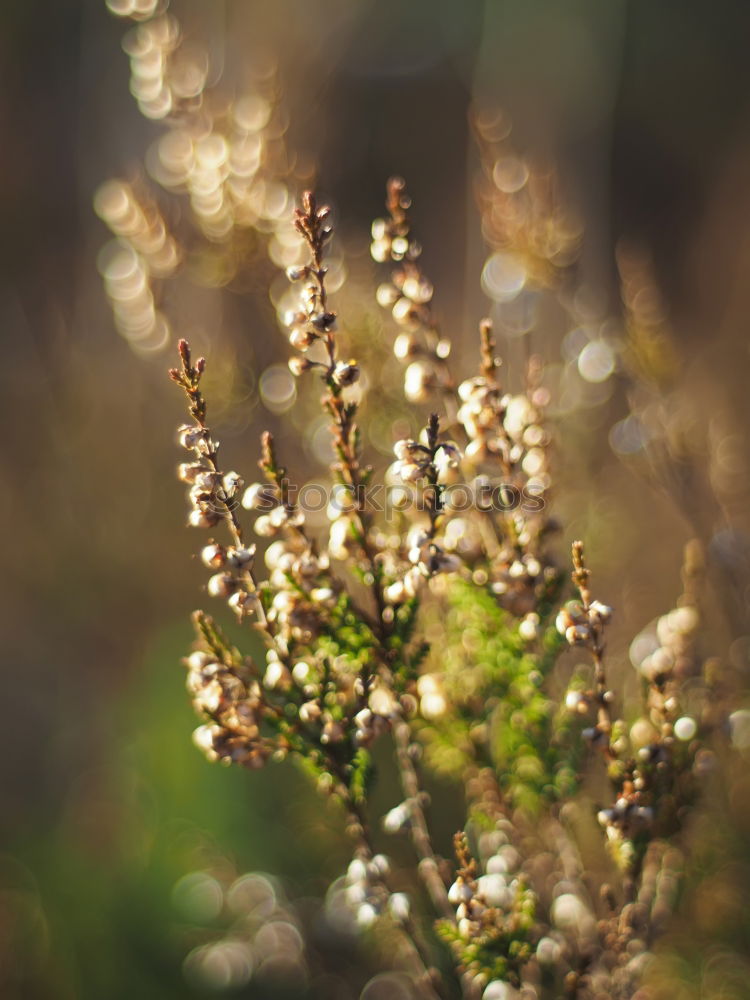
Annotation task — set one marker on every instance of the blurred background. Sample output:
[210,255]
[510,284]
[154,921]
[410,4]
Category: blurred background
[124,854]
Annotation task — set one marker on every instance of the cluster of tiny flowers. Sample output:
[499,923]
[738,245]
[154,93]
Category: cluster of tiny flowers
[490,910]
[343,664]
[367,894]
[665,656]
[578,623]
[408,296]
[299,579]
[506,432]
[233,700]
[414,459]
[429,464]
[506,426]
[210,491]
[313,320]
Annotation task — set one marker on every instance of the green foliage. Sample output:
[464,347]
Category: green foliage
[499,711]
[503,944]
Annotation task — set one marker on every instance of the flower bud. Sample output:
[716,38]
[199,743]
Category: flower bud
[213,555]
[297,273]
[241,558]
[399,906]
[309,712]
[222,585]
[346,373]
[299,365]
[203,517]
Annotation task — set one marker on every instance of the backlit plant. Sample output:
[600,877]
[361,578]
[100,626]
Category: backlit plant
[440,621]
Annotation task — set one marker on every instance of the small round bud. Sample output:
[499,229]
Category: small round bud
[309,712]
[399,907]
[222,585]
[241,558]
[528,628]
[396,819]
[300,339]
[203,517]
[366,915]
[577,633]
[213,555]
[460,892]
[277,676]
[243,603]
[299,365]
[346,373]
[297,273]
[187,471]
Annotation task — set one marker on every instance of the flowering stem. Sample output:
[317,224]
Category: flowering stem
[581,575]
[430,982]
[188,377]
[312,224]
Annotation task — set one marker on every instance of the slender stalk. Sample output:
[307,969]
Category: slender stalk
[429,870]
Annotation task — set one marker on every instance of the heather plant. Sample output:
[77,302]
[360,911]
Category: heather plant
[440,621]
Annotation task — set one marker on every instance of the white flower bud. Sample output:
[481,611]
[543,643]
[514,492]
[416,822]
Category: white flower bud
[241,558]
[417,380]
[191,436]
[409,472]
[528,628]
[366,915]
[395,593]
[380,865]
[404,346]
[465,928]
[297,366]
[357,870]
[494,890]
[259,496]
[309,712]
[213,555]
[399,907]
[243,603]
[460,892]
[346,373]
[577,633]
[277,676]
[222,585]
[203,738]
[203,517]
[499,989]
[301,672]
[599,612]
[574,700]
[231,482]
[396,819]
[403,449]
[187,471]
[264,526]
